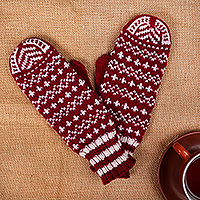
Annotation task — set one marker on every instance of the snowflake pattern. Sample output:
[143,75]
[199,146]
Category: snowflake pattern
[134,74]
[60,95]
[131,83]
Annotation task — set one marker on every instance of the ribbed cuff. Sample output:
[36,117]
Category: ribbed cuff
[129,143]
[125,175]
[107,157]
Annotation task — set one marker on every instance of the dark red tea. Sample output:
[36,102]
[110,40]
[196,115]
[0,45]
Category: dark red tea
[193,177]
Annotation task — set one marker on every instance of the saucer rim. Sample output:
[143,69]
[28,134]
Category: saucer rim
[164,153]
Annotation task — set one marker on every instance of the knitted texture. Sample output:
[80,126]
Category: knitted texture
[70,106]
[80,69]
[128,79]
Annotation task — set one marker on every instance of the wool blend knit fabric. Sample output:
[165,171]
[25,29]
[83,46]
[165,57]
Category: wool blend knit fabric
[128,79]
[70,107]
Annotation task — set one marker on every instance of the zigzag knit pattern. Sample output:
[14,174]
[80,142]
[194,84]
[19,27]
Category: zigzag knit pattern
[128,80]
[70,107]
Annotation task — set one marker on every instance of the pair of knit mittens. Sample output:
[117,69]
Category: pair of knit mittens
[104,128]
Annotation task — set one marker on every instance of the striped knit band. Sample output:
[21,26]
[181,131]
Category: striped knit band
[107,157]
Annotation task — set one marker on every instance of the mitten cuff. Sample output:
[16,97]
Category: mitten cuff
[107,157]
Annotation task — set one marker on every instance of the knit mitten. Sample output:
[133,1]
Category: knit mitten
[128,79]
[80,69]
[70,106]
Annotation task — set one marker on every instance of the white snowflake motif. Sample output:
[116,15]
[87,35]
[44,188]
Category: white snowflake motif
[137,133]
[103,117]
[67,94]
[83,112]
[53,77]
[96,130]
[96,102]
[123,80]
[135,109]
[38,88]
[66,65]
[144,112]
[90,107]
[129,59]
[140,86]
[110,123]
[53,105]
[74,88]
[60,100]
[75,118]
[60,71]
[132,84]
[46,83]
[129,130]
[117,103]
[149,89]
[108,101]
[103,126]
[81,82]
[75,146]
[155,67]
[68,123]
[31,93]
[120,55]
[82,140]
[46,111]
[121,128]
[126,106]
[146,65]
[61,129]
[89,135]
[162,70]
[137,62]
[114,77]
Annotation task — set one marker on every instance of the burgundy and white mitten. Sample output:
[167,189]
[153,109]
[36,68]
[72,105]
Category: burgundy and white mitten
[128,79]
[70,106]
